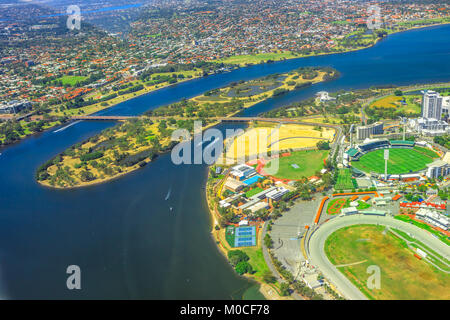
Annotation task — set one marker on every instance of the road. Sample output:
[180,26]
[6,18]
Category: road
[344,286]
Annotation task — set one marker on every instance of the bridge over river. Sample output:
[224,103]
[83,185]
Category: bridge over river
[220,119]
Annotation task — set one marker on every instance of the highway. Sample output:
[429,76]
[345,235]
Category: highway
[317,241]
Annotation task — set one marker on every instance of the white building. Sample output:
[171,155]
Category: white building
[242,172]
[445,105]
[431,121]
[324,96]
[364,132]
[434,218]
[437,169]
[429,126]
[15,106]
[431,105]
[349,211]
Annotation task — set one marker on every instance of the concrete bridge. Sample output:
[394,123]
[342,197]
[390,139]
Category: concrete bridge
[221,119]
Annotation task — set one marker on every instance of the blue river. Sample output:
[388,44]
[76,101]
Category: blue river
[122,234]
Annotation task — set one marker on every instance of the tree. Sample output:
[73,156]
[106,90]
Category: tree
[243,267]
[268,242]
[323,145]
[268,277]
[237,256]
[86,176]
[284,289]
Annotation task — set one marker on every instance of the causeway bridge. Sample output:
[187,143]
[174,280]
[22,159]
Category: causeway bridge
[220,119]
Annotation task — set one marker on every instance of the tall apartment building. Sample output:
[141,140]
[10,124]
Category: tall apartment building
[431,105]
[445,105]
[363,132]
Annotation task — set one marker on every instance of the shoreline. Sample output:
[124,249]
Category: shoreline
[215,123]
[238,66]
[263,287]
[270,94]
[332,53]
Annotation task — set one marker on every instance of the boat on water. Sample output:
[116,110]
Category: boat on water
[168,194]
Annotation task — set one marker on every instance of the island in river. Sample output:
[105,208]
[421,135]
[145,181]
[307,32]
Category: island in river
[131,145]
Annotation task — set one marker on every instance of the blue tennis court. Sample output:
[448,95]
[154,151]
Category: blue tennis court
[245,231]
[245,237]
[252,180]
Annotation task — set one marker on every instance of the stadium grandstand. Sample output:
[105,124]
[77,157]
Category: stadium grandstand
[370,145]
[401,143]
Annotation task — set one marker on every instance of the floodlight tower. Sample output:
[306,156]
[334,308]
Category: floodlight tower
[386,158]
[402,121]
[351,135]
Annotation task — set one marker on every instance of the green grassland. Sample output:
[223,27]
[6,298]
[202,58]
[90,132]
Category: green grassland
[400,161]
[252,192]
[425,226]
[258,58]
[335,206]
[408,104]
[439,260]
[71,80]
[424,22]
[309,162]
[344,180]
[427,152]
[403,276]
[256,261]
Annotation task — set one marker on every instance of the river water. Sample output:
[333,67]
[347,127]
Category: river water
[122,234]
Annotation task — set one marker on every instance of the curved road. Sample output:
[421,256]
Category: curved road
[345,287]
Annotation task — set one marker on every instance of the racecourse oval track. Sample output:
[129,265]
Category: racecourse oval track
[318,258]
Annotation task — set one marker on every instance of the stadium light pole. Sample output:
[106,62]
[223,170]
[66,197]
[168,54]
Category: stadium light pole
[386,158]
[402,121]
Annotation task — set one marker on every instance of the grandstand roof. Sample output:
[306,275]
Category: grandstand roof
[407,142]
[352,151]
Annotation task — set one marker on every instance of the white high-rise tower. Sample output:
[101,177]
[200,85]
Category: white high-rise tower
[431,105]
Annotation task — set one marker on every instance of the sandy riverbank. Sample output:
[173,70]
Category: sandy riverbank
[267,290]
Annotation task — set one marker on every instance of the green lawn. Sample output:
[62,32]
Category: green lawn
[252,192]
[335,206]
[258,58]
[308,161]
[422,225]
[230,235]
[362,205]
[400,161]
[416,243]
[256,261]
[427,152]
[403,276]
[71,80]
[344,180]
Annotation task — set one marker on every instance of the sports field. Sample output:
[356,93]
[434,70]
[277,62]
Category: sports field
[400,161]
[336,205]
[344,180]
[261,139]
[409,104]
[71,80]
[403,276]
[300,164]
